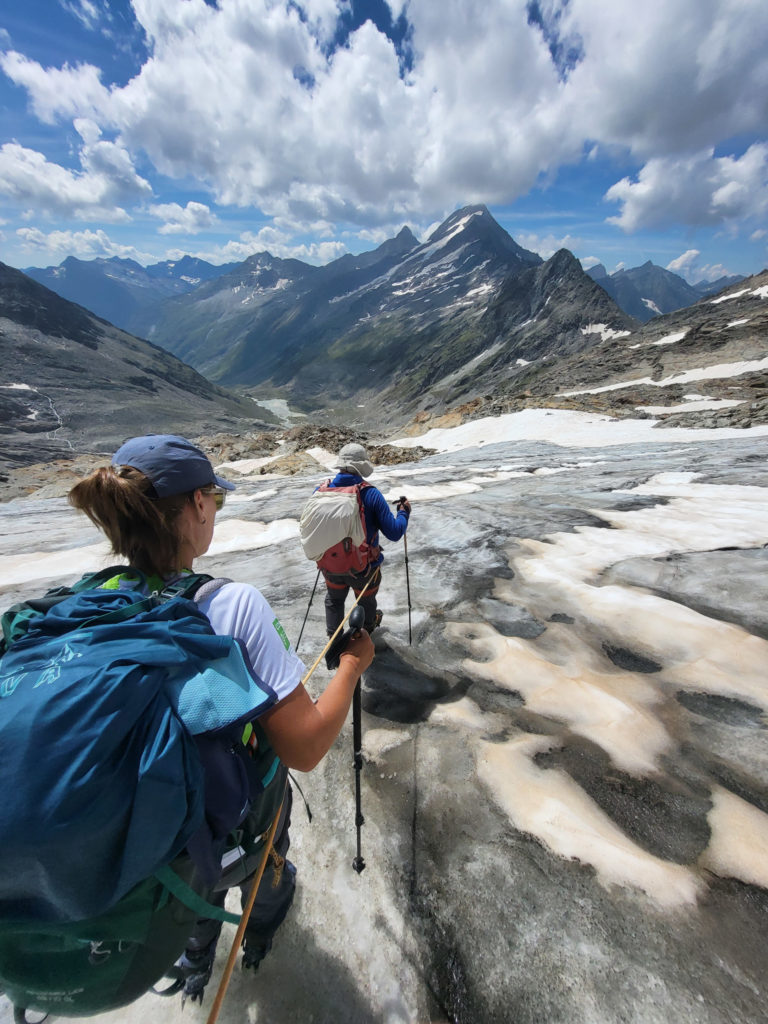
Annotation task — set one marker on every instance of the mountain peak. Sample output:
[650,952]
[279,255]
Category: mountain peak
[476,223]
[405,235]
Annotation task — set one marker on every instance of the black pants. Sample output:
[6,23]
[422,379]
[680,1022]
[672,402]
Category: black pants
[338,586]
[272,900]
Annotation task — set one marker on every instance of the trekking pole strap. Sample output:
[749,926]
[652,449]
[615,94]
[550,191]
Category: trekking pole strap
[343,623]
[230,965]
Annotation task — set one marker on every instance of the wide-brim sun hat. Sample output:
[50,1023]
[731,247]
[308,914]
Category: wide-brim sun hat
[353,456]
[173,464]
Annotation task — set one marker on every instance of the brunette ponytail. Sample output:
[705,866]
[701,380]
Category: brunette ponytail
[141,528]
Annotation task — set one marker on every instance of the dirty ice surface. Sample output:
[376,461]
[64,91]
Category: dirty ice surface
[566,780]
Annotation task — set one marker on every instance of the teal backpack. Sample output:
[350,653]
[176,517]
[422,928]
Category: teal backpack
[132,765]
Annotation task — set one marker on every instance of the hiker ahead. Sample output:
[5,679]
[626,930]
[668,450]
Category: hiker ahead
[340,528]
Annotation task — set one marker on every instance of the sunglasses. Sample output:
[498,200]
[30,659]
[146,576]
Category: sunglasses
[219,497]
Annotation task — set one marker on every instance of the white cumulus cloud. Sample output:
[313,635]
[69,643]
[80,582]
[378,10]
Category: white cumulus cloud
[685,262]
[84,244]
[277,242]
[248,99]
[695,189]
[689,266]
[56,93]
[107,179]
[189,219]
[548,245]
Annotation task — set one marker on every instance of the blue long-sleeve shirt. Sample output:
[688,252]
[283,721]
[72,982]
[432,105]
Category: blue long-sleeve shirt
[377,512]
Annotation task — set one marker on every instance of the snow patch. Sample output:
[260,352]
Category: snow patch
[244,535]
[604,331]
[432,248]
[733,295]
[670,339]
[324,457]
[650,304]
[480,290]
[738,847]
[567,429]
[691,406]
[280,408]
[714,372]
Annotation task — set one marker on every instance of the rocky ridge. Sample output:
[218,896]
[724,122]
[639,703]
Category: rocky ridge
[717,347]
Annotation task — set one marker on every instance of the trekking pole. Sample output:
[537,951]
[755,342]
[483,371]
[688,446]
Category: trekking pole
[311,599]
[230,965]
[400,501]
[356,618]
[357,750]
[407,586]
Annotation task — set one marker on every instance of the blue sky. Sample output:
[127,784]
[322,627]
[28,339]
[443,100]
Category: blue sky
[309,128]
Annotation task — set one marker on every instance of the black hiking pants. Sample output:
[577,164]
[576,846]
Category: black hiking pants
[273,899]
[338,586]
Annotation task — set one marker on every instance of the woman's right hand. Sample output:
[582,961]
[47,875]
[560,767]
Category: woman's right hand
[359,649]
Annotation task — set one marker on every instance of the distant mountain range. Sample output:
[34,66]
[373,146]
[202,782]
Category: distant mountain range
[120,290]
[467,323]
[648,291]
[141,300]
[69,380]
[452,315]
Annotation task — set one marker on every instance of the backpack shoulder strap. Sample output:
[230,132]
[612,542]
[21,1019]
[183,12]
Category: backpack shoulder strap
[186,585]
[210,586]
[95,580]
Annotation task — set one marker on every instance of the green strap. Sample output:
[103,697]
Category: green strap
[187,895]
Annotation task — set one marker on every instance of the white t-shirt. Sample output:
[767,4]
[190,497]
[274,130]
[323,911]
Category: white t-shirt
[239,610]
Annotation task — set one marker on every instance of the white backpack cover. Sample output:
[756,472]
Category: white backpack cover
[328,518]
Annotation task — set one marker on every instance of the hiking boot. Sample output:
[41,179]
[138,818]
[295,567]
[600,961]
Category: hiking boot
[196,966]
[254,952]
[376,624]
[275,896]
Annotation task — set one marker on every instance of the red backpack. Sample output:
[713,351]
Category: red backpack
[327,521]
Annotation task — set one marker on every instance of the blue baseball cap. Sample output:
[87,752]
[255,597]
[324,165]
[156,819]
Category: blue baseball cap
[173,464]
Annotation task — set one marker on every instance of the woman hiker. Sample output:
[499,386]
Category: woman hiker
[157,505]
